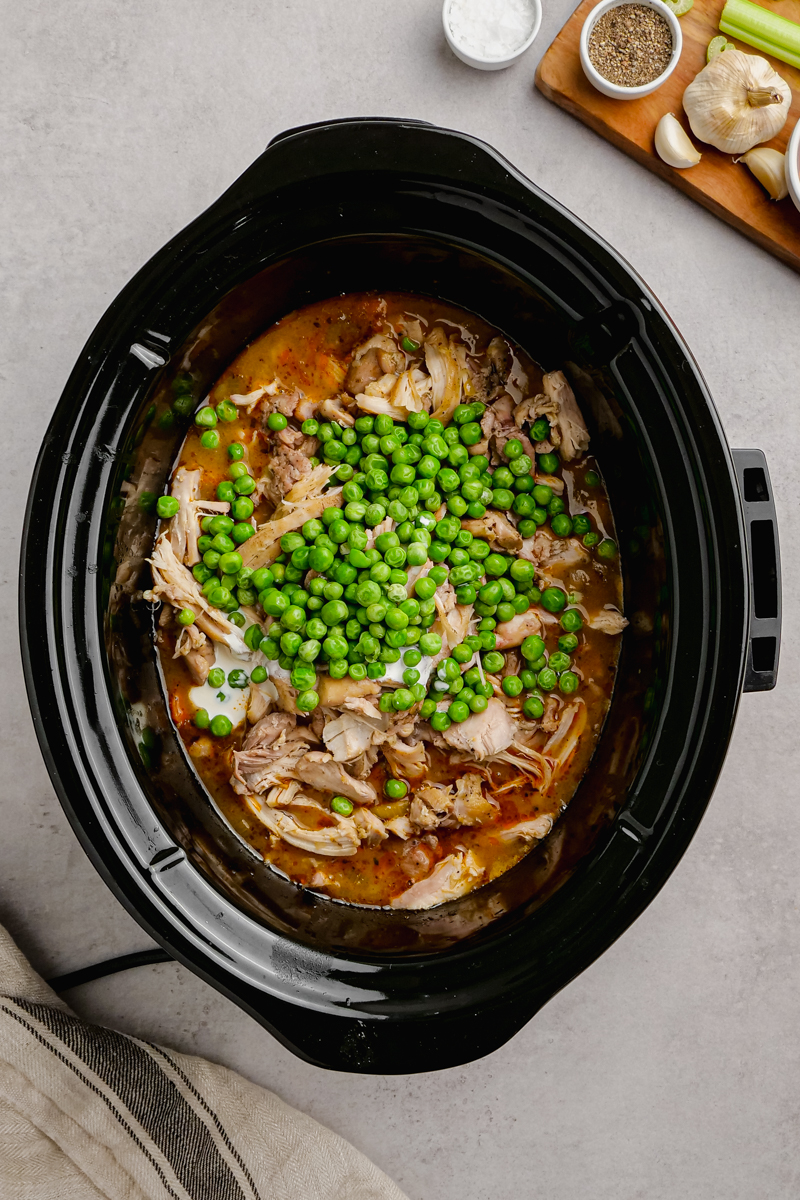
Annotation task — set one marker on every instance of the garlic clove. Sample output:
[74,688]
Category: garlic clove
[673,144]
[769,168]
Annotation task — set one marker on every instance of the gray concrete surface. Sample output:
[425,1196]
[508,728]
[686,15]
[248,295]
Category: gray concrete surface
[670,1068]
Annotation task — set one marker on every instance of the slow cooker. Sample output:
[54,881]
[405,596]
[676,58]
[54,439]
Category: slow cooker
[383,204]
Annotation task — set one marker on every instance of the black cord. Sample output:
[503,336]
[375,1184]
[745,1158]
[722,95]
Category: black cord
[142,958]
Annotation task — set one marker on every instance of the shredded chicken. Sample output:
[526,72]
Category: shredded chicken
[463,803]
[527,831]
[371,829]
[446,362]
[321,771]
[404,759]
[565,740]
[182,529]
[351,734]
[200,660]
[340,839]
[378,356]
[568,432]
[513,632]
[454,876]
[304,501]
[483,734]
[174,582]
[497,530]
[607,620]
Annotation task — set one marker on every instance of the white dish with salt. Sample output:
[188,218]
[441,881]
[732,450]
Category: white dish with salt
[490,34]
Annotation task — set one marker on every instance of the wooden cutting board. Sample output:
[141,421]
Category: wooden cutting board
[725,188]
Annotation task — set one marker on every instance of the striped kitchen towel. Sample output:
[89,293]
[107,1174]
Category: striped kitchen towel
[87,1113]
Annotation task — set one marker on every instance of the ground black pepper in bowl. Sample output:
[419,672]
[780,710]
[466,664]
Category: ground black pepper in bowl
[630,45]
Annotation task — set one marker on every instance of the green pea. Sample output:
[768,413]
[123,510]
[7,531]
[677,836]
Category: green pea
[505,612]
[427,709]
[528,678]
[220,725]
[591,479]
[307,701]
[521,466]
[540,430]
[571,621]
[230,563]
[495,564]
[476,509]
[471,433]
[167,506]
[440,721]
[568,682]
[338,668]
[241,532]
[210,439]
[227,411]
[205,417]
[201,718]
[547,679]
[430,644]
[458,711]
[561,525]
[554,599]
[447,480]
[493,662]
[542,494]
[607,549]
[548,463]
[581,524]
[238,679]
[559,662]
[556,506]
[533,708]
[568,642]
[591,539]
[532,648]
[200,570]
[383,425]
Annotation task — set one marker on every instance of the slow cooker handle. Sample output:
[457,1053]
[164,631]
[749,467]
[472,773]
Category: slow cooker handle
[763,569]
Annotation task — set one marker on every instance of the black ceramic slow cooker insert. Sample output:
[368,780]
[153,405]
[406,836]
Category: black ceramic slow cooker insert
[353,206]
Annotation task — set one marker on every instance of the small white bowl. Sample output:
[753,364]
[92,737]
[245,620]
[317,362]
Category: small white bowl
[489,64]
[614,90]
[792,166]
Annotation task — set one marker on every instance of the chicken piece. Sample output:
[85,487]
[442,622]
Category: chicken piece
[513,632]
[258,705]
[378,356]
[499,427]
[256,770]
[413,391]
[174,582]
[334,841]
[532,830]
[320,771]
[410,761]
[561,745]
[305,500]
[282,470]
[470,806]
[351,735]
[446,362]
[333,409]
[490,379]
[333,692]
[568,430]
[401,827]
[483,734]
[454,876]
[365,708]
[607,620]
[200,660]
[269,729]
[431,806]
[371,829]
[548,551]
[287,695]
[497,530]
[182,529]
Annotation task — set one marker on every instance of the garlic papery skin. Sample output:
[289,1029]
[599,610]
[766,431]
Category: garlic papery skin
[673,144]
[769,168]
[736,102]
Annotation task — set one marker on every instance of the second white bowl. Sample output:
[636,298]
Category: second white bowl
[793,166]
[615,90]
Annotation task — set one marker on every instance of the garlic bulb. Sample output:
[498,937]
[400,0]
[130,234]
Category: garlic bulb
[673,145]
[736,102]
[769,168]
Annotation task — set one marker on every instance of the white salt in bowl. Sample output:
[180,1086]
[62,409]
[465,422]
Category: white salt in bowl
[489,63]
[615,90]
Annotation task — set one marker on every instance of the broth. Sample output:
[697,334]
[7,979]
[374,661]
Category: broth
[473,804]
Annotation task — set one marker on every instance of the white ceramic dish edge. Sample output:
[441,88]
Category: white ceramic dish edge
[613,89]
[489,64]
[792,166]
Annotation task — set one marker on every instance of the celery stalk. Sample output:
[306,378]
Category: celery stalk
[762,29]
